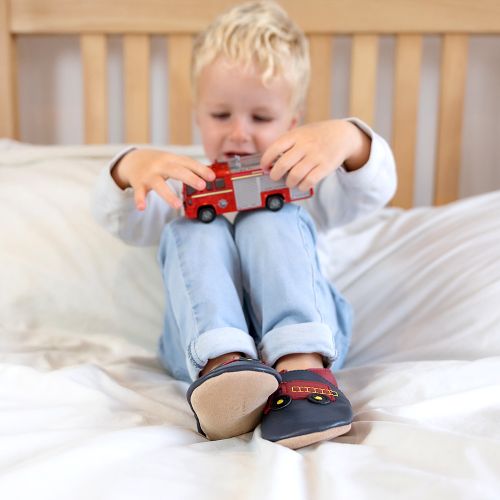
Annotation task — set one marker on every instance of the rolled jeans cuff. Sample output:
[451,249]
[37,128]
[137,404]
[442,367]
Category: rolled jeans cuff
[299,338]
[216,342]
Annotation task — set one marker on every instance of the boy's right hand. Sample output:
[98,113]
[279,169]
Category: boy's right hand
[148,169]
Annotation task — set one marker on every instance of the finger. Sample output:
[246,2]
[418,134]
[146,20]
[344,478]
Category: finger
[286,162]
[188,177]
[165,192]
[299,172]
[198,168]
[273,152]
[312,178]
[140,197]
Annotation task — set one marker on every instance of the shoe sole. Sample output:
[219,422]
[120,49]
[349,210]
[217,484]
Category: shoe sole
[231,404]
[314,437]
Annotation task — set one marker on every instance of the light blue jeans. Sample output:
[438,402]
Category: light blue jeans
[254,287]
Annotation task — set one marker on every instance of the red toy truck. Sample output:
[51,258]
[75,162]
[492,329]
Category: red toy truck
[240,184]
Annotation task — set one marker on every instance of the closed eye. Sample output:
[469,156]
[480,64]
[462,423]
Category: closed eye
[261,118]
[220,116]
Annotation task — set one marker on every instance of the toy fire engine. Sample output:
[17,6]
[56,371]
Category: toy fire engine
[240,184]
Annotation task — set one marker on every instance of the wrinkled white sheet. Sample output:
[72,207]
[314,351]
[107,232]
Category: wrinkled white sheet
[86,411]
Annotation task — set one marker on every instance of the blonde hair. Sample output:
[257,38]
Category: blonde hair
[261,33]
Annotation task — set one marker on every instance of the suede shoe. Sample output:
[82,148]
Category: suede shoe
[308,407]
[228,400]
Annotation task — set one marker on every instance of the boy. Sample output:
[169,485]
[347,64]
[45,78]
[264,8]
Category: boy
[249,319]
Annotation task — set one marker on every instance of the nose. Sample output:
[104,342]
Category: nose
[239,132]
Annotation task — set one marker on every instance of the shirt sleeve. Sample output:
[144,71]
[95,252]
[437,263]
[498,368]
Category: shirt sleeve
[344,196]
[114,209]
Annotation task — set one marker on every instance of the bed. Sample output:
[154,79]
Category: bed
[87,412]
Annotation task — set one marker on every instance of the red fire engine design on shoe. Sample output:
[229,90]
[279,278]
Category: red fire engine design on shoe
[240,184]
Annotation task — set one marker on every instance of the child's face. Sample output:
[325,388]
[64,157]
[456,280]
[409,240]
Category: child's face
[237,114]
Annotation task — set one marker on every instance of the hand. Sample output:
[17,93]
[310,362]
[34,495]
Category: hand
[309,153]
[148,169]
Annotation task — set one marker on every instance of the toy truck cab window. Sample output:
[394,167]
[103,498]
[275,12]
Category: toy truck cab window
[190,191]
[220,184]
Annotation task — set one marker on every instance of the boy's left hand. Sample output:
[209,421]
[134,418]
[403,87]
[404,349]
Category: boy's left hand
[307,154]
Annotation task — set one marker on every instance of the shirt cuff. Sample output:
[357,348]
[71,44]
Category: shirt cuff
[108,192]
[363,177]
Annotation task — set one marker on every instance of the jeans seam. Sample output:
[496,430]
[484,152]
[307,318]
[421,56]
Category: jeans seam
[191,347]
[311,261]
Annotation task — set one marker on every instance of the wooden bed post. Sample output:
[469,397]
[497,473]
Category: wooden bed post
[8,77]
[320,87]
[405,115]
[94,58]
[179,49]
[451,106]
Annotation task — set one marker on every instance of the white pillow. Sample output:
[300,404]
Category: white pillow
[424,283]
[58,269]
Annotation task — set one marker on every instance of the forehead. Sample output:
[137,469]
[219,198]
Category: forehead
[224,81]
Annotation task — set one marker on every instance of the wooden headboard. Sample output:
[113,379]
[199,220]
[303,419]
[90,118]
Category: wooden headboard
[180,20]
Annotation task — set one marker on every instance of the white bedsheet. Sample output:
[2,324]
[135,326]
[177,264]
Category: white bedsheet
[86,411]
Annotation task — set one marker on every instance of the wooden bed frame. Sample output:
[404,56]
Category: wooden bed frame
[180,20]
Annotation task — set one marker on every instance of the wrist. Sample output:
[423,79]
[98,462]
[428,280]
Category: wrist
[360,148]
[117,172]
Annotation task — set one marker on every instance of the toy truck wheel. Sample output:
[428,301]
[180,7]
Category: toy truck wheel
[274,202]
[206,214]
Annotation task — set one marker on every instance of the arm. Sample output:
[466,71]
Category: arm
[351,168]
[139,192]
[346,195]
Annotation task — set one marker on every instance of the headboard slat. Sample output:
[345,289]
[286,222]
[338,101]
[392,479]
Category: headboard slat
[363,77]
[451,106]
[406,97]
[320,87]
[9,126]
[136,65]
[179,49]
[94,60]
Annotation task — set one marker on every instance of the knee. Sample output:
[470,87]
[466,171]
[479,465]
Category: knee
[184,229]
[187,233]
[170,235]
[263,223]
[263,217]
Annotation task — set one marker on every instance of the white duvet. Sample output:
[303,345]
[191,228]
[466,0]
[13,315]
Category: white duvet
[86,411]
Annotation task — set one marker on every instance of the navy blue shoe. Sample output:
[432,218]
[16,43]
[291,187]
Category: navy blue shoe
[308,407]
[228,401]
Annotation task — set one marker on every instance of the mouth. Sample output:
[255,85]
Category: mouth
[230,154]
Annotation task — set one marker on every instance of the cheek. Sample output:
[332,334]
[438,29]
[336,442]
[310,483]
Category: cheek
[270,134]
[211,141]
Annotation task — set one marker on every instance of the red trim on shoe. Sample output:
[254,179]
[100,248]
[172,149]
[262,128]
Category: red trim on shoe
[325,373]
[302,389]
[322,372]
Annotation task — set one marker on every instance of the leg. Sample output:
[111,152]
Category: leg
[300,319]
[203,310]
[205,320]
[294,309]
